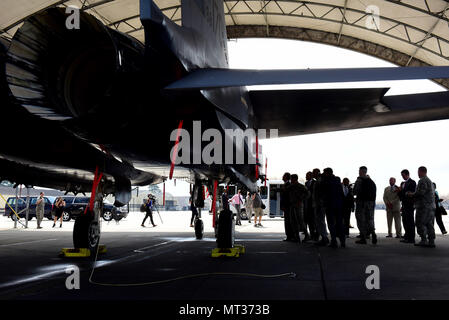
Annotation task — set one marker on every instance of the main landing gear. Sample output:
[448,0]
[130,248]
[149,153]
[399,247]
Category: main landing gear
[86,231]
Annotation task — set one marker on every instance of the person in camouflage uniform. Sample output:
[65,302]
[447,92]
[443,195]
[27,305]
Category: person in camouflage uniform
[298,193]
[320,216]
[40,207]
[424,197]
[365,191]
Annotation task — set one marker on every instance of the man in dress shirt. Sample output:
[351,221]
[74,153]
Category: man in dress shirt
[393,206]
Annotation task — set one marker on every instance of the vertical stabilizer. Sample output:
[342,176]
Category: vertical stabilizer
[207,18]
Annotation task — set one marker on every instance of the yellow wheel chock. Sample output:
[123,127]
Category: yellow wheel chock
[80,253]
[228,252]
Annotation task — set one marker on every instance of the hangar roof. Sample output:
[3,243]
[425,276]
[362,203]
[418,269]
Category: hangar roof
[405,32]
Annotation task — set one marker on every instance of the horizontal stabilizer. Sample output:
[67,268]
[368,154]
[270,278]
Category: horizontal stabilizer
[296,112]
[219,78]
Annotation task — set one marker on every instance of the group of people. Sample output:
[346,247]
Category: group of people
[325,203]
[58,210]
[253,204]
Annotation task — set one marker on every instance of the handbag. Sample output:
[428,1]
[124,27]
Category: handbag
[443,211]
[263,206]
[143,208]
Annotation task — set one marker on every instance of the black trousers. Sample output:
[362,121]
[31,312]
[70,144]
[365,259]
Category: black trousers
[309,219]
[346,220]
[334,217]
[194,214]
[287,223]
[408,221]
[149,214]
[439,220]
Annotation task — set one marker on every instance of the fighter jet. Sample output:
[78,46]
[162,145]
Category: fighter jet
[105,112]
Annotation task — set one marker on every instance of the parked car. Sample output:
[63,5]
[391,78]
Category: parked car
[21,205]
[76,206]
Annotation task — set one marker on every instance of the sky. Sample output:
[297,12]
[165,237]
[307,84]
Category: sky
[384,150]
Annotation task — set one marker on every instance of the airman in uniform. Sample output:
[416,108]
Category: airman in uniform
[424,197]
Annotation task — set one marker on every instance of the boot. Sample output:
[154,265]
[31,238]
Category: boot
[431,243]
[422,243]
[323,242]
[374,238]
[307,238]
[333,243]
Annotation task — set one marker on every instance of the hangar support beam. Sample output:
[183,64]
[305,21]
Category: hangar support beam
[346,42]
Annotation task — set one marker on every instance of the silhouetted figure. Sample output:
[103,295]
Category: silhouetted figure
[285,207]
[365,191]
[148,210]
[194,212]
[225,200]
[320,216]
[438,216]
[348,205]
[298,193]
[309,213]
[407,207]
[332,201]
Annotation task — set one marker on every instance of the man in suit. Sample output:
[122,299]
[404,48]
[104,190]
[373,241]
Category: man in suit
[285,207]
[348,205]
[309,214]
[332,201]
[297,194]
[408,206]
[320,215]
[393,206]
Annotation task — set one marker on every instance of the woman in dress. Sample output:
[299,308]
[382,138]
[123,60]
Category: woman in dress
[59,210]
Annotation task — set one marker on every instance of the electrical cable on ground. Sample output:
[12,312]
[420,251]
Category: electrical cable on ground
[288,274]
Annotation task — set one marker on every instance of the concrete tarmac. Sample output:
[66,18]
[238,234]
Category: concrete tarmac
[142,262]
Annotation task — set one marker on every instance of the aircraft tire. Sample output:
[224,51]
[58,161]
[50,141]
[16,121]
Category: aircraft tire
[199,229]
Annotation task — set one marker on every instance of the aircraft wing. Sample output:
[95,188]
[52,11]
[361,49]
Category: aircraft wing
[296,112]
[221,78]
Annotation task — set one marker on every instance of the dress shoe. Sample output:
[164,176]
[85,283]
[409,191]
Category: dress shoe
[323,242]
[389,236]
[422,243]
[333,244]
[444,232]
[361,241]
[398,237]
[431,244]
